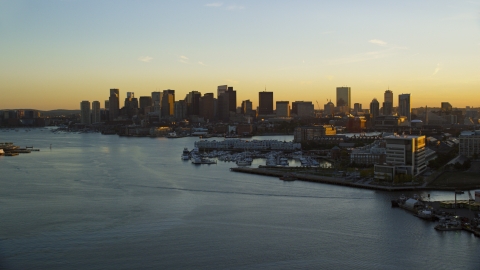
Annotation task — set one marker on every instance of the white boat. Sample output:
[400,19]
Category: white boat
[425,214]
[243,162]
[200,160]
[283,162]
[185,154]
[173,135]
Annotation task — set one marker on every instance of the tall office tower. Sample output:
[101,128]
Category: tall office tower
[232,99]
[344,98]
[282,109]
[227,102]
[180,110]
[85,112]
[131,104]
[221,89]
[114,103]
[207,107]
[96,112]
[446,107]
[329,109]
[388,103]
[303,108]
[374,108]
[168,103]
[192,100]
[265,103]
[357,107]
[247,107]
[105,114]
[156,101]
[404,155]
[404,106]
[145,103]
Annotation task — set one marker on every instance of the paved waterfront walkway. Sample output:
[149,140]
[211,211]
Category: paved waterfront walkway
[326,179]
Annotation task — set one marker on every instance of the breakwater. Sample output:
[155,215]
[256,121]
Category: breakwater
[323,179]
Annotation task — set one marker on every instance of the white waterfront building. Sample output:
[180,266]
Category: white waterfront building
[405,154]
[469,143]
[261,145]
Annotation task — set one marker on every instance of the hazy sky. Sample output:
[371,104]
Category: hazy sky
[54,54]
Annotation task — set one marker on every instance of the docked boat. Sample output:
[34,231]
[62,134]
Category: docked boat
[283,162]
[173,135]
[201,160]
[425,214]
[448,227]
[185,154]
[2,152]
[244,162]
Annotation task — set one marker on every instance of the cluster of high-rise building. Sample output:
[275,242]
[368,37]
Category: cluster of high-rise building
[195,106]
[223,106]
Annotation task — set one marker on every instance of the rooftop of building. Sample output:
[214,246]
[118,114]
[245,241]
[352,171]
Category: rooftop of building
[469,133]
[403,137]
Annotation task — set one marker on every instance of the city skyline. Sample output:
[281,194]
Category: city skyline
[54,53]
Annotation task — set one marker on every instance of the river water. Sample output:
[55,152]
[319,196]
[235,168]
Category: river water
[106,202]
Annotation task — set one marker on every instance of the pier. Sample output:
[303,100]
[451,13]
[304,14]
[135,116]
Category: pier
[451,215]
[279,172]
[9,149]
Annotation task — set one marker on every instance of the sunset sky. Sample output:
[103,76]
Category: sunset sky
[54,53]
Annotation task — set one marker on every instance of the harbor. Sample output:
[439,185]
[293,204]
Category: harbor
[143,190]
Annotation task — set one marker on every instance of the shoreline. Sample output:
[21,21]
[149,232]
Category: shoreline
[339,181]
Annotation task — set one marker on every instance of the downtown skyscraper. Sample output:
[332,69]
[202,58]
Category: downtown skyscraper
[388,103]
[404,106]
[85,112]
[265,103]
[344,99]
[114,104]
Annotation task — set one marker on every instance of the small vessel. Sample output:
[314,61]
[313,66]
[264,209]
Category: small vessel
[244,162]
[288,177]
[201,160]
[283,162]
[448,227]
[173,135]
[425,214]
[2,152]
[185,154]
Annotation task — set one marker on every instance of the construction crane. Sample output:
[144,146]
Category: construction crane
[318,105]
